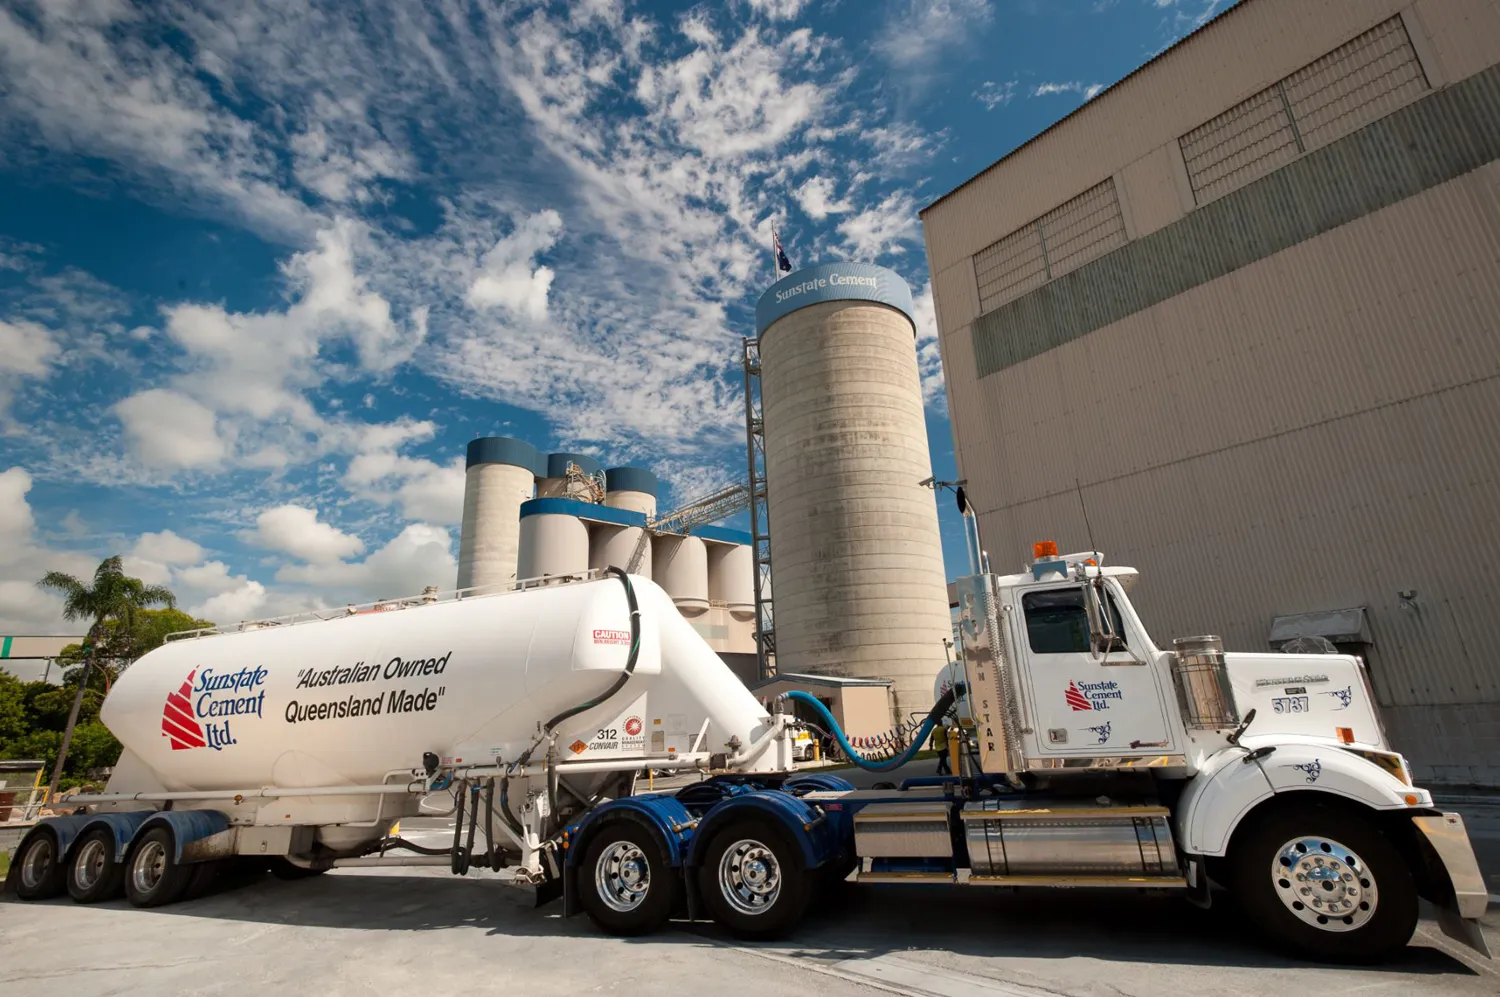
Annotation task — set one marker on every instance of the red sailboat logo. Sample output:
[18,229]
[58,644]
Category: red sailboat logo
[1076,699]
[177,721]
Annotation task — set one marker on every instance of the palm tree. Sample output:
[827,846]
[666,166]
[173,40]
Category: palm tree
[113,596]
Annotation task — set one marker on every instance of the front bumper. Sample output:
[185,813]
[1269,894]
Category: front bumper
[1468,898]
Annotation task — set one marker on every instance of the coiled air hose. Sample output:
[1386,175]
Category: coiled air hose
[939,710]
[619,683]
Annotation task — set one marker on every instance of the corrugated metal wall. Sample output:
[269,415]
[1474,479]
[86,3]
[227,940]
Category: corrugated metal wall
[1315,429]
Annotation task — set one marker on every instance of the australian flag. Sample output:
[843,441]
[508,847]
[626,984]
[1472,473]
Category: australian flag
[783,265]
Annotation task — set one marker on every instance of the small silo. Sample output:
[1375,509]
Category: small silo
[500,475]
[731,578]
[634,490]
[553,541]
[860,585]
[555,482]
[679,564]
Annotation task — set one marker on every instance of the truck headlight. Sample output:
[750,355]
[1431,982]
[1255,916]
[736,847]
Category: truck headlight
[1387,760]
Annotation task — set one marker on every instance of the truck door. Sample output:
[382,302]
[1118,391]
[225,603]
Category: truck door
[1087,706]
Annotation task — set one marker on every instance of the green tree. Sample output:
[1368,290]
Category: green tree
[119,646]
[113,596]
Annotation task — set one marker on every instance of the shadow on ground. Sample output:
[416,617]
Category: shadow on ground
[853,923]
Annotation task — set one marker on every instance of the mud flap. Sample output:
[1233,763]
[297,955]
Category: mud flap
[1466,895]
[1465,931]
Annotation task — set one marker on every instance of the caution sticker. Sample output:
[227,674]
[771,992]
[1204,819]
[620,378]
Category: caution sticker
[578,747]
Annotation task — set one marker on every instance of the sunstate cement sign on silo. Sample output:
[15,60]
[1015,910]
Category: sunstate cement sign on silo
[832,282]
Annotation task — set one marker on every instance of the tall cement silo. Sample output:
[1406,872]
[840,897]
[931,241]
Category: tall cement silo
[500,474]
[860,585]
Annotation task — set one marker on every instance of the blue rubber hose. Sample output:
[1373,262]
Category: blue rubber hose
[939,710]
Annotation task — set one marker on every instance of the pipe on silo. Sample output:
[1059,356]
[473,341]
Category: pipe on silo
[731,578]
[860,584]
[680,565]
[500,474]
[554,483]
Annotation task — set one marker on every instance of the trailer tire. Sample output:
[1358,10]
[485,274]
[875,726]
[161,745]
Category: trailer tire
[94,872]
[1331,856]
[153,876]
[752,881]
[625,883]
[39,874]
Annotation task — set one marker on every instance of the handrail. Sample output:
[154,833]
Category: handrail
[429,597]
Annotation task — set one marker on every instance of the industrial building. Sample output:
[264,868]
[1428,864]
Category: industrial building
[1234,322]
[853,532]
[529,515]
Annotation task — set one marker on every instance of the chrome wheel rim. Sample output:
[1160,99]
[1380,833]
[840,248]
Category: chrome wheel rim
[622,876]
[1324,884]
[149,867]
[88,866]
[38,863]
[749,876]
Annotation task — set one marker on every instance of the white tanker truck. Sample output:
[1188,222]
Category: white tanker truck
[1083,755]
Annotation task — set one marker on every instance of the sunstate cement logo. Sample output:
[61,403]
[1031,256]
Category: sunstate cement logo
[1092,695]
[198,714]
[177,721]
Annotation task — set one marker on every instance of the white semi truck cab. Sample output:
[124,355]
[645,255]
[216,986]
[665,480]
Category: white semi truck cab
[1082,755]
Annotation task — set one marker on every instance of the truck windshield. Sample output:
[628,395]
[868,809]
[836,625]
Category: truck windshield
[1058,623]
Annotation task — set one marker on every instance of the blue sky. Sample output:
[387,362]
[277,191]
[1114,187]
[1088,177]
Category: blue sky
[266,266]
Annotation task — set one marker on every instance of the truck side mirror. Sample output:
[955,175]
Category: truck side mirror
[1102,635]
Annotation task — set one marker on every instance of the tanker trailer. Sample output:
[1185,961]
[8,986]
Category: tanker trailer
[306,739]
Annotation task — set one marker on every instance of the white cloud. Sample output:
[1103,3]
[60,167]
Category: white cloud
[212,577]
[507,276]
[1088,91]
[82,78]
[24,608]
[296,530]
[777,10]
[244,392]
[993,95]
[246,601]
[929,358]
[883,228]
[16,522]
[167,429]
[425,490]
[420,555]
[26,348]
[817,198]
[154,554]
[922,32]
[167,547]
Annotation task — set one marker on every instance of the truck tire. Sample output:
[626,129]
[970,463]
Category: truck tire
[625,883]
[95,873]
[1326,883]
[752,881]
[39,874]
[153,876]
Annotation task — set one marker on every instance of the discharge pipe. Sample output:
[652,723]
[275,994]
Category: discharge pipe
[939,710]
